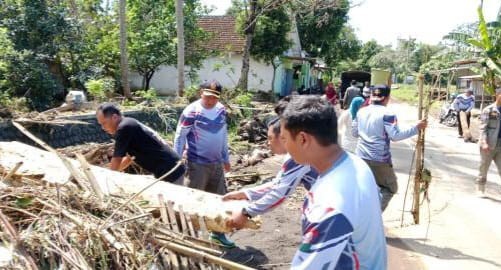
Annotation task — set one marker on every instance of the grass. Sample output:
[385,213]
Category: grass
[406,93]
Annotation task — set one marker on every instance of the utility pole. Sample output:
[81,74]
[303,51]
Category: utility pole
[180,47]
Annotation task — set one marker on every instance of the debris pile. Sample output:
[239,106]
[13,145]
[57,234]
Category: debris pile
[252,130]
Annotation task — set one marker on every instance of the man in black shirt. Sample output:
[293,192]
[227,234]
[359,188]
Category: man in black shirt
[133,139]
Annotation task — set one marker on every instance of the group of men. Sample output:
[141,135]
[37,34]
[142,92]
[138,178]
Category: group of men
[341,217]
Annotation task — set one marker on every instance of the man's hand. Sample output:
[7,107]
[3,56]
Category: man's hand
[422,124]
[484,147]
[235,195]
[227,167]
[237,220]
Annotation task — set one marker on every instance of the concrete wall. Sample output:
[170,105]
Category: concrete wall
[74,134]
[224,69]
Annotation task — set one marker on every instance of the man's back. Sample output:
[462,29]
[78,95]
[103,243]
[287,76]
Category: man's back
[351,93]
[375,126]
[149,149]
[342,224]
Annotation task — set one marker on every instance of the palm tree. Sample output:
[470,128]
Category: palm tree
[180,47]
[124,64]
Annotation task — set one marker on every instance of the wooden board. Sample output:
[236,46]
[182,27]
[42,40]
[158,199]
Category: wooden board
[49,168]
[464,126]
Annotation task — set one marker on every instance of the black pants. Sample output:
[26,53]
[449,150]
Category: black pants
[460,128]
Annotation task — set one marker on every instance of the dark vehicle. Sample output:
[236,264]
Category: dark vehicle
[346,77]
[448,116]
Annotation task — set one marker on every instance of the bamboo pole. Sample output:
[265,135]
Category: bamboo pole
[13,171]
[91,177]
[419,155]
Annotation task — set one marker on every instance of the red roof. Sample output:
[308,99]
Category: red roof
[224,36]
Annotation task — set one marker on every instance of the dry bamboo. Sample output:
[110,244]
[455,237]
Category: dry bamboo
[13,171]
[419,156]
[90,176]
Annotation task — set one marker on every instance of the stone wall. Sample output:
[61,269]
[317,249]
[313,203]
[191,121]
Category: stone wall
[73,134]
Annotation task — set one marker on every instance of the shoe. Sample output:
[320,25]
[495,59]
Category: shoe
[222,240]
[481,190]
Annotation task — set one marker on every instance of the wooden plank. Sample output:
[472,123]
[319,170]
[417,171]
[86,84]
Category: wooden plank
[48,168]
[464,125]
[184,225]
[173,261]
[176,228]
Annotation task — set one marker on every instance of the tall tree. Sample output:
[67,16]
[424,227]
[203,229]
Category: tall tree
[124,61]
[249,27]
[180,47]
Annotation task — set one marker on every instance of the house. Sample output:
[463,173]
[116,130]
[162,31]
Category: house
[225,63]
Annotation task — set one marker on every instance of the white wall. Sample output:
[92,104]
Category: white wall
[165,79]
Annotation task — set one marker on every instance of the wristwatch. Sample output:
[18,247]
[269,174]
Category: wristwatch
[245,213]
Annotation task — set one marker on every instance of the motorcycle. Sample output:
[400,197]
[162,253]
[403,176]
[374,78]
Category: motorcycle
[448,116]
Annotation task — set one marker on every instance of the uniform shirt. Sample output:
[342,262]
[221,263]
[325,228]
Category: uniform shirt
[204,132]
[151,152]
[342,226]
[464,103]
[375,126]
[267,196]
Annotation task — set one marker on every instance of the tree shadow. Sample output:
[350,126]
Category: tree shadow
[247,255]
[417,245]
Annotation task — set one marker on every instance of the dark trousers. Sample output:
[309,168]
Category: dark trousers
[460,128]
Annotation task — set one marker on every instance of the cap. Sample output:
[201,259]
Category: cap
[379,92]
[211,88]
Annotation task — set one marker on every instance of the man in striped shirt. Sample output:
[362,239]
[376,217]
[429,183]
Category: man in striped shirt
[464,102]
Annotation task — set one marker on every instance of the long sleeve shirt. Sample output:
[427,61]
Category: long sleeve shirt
[204,133]
[464,103]
[267,196]
[342,226]
[376,126]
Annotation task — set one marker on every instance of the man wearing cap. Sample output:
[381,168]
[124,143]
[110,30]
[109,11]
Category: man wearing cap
[490,140]
[133,139]
[202,134]
[375,126]
[464,102]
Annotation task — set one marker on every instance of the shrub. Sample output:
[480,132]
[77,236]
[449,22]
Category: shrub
[100,89]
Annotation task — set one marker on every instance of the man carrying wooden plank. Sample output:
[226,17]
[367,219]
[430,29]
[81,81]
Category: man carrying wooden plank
[202,133]
[490,140]
[265,197]
[133,139]
[342,226]
[375,126]
[464,103]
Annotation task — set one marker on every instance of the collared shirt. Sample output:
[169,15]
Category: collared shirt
[342,226]
[204,132]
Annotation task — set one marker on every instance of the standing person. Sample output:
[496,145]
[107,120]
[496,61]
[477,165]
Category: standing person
[133,139]
[266,197]
[375,126]
[202,133]
[350,94]
[347,141]
[330,93]
[342,226]
[490,140]
[464,102]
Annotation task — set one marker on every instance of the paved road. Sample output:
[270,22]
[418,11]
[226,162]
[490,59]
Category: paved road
[459,230]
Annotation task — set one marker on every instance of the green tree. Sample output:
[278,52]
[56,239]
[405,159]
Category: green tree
[152,34]
[369,49]
[270,39]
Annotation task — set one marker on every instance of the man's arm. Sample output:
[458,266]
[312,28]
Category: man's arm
[471,104]
[225,153]
[484,120]
[392,129]
[184,126]
[354,127]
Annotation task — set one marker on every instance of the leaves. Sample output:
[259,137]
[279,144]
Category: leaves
[24,202]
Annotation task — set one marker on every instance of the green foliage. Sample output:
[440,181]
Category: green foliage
[148,95]
[243,99]
[100,88]
[270,37]
[153,39]
[406,93]
[319,31]
[368,50]
[192,93]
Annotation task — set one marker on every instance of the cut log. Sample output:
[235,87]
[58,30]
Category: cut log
[49,168]
[464,125]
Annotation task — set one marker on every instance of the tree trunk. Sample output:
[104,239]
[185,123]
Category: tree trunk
[180,47]
[274,75]
[147,78]
[249,34]
[124,65]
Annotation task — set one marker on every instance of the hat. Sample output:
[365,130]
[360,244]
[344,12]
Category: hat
[211,88]
[379,92]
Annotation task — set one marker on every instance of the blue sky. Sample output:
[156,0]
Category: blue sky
[386,20]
